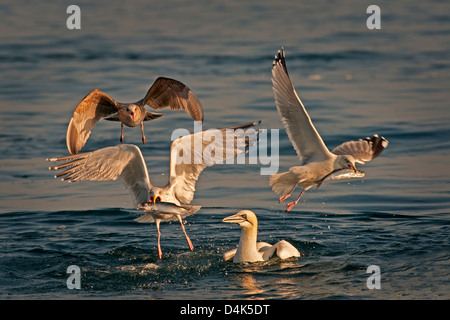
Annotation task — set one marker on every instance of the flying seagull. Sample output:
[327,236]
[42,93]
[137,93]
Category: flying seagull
[98,105]
[126,164]
[248,249]
[317,161]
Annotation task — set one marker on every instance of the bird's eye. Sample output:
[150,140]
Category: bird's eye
[244,216]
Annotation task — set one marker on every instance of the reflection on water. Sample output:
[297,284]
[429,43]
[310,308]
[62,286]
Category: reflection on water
[250,285]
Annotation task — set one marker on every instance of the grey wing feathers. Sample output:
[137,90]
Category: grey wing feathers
[301,131]
[123,162]
[363,150]
[202,151]
[166,92]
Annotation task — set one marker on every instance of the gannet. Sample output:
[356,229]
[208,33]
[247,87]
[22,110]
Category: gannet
[248,249]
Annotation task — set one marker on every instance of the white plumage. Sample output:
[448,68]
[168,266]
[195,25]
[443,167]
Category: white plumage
[249,250]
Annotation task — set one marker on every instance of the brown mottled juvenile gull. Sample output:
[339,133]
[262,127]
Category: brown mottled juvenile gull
[317,160]
[126,164]
[98,105]
[248,249]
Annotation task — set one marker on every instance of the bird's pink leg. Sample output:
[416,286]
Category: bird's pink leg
[185,234]
[121,132]
[290,205]
[159,236]
[142,129]
[287,195]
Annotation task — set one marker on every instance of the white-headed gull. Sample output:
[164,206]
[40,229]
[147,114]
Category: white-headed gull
[317,160]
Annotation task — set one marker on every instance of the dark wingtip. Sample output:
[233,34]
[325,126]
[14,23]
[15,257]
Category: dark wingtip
[378,144]
[280,58]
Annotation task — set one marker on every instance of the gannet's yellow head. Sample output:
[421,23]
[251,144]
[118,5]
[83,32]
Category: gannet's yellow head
[245,218]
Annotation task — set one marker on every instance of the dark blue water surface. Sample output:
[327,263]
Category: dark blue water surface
[354,82]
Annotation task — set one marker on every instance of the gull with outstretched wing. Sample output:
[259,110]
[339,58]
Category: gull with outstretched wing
[317,161]
[126,164]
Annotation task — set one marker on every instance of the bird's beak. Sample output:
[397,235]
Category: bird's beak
[353,167]
[236,218]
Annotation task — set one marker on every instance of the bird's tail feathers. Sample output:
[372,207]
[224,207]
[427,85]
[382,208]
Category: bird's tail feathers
[145,218]
[283,182]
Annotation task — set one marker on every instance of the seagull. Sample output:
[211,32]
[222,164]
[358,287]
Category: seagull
[125,163]
[248,249]
[317,160]
[98,105]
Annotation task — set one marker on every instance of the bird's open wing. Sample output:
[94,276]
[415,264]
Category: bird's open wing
[171,93]
[303,135]
[363,150]
[191,154]
[282,249]
[123,162]
[89,111]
